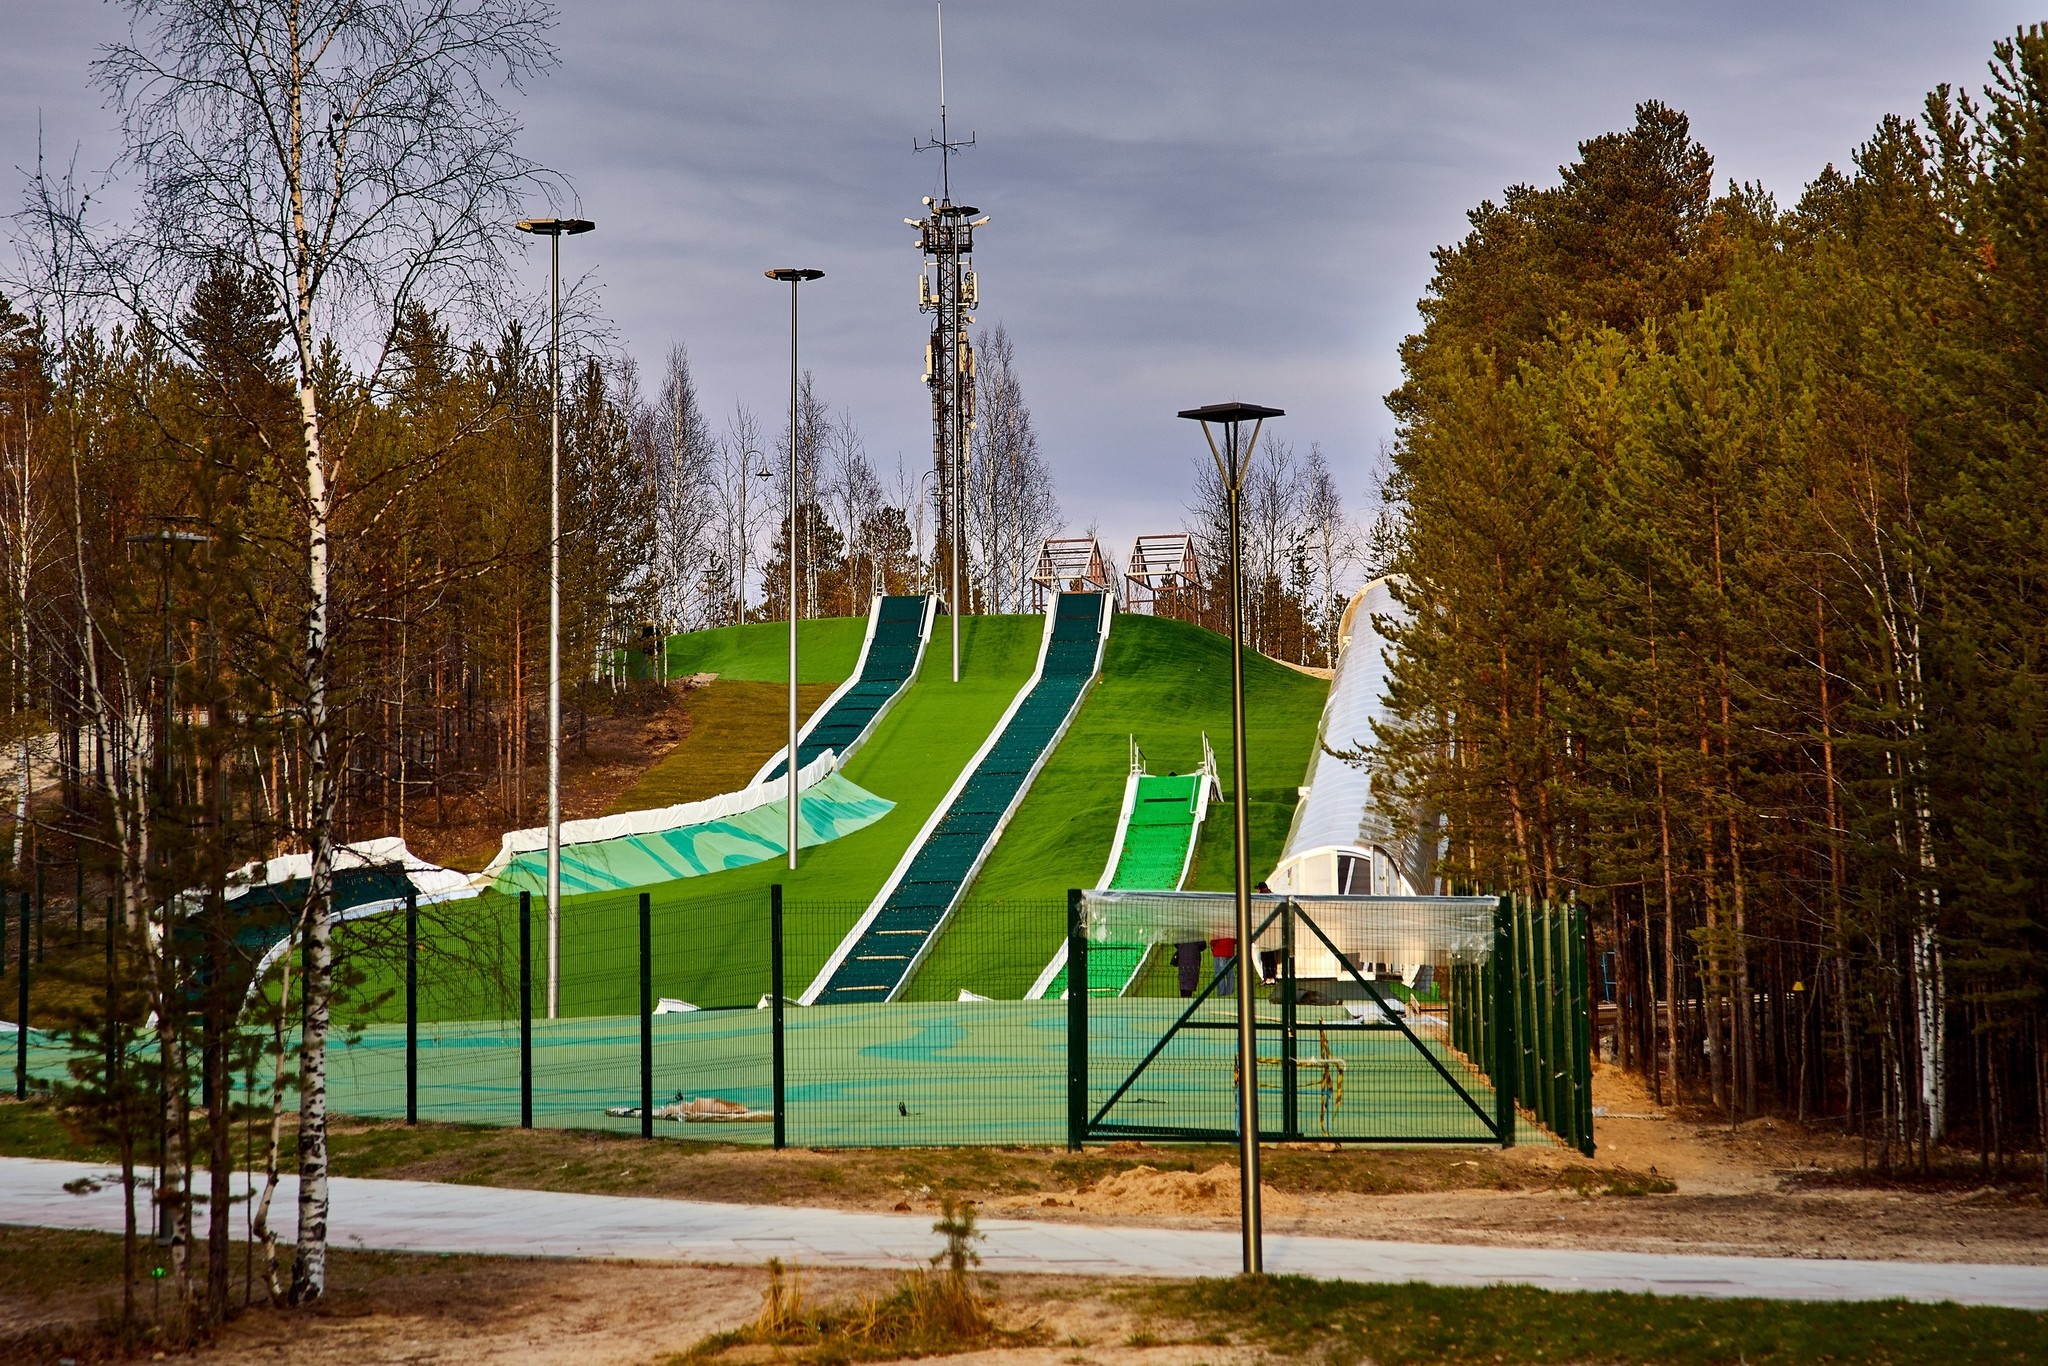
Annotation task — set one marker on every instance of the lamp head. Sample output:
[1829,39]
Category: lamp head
[1233,455]
[791,274]
[555,227]
[1231,413]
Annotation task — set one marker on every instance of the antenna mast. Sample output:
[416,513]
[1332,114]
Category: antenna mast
[946,289]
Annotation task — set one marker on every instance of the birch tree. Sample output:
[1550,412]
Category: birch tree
[682,454]
[1012,503]
[357,157]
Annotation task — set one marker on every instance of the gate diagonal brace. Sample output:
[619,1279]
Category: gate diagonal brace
[1401,1024]
[1185,1015]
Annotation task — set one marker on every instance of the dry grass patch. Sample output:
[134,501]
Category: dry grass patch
[933,1311]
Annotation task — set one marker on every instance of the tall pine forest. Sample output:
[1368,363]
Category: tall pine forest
[1724,529]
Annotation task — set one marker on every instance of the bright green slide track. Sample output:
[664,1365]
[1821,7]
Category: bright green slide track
[1162,815]
[877,957]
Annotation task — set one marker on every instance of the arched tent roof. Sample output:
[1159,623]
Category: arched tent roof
[1339,810]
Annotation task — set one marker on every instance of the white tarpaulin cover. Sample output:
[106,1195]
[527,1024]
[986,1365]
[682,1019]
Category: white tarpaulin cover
[656,819]
[430,881]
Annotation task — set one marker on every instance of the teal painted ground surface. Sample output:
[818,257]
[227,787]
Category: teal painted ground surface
[906,1074]
[829,809]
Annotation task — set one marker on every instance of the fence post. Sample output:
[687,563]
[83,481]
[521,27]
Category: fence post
[111,1034]
[646,1015]
[526,1010]
[78,898]
[1502,1029]
[21,1032]
[1077,1023]
[1545,984]
[775,1053]
[1290,1098]
[1480,977]
[1527,1035]
[1557,1056]
[39,907]
[412,1007]
[1582,1016]
[1461,1012]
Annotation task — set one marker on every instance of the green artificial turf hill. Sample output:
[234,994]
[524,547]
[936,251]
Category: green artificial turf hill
[826,650]
[710,933]
[1166,682]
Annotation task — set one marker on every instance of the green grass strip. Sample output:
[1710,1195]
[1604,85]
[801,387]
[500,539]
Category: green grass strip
[1299,1319]
[827,649]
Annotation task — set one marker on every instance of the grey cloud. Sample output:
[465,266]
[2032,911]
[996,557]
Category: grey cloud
[1191,200]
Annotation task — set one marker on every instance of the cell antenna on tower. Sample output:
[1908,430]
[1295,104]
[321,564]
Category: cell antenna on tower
[946,288]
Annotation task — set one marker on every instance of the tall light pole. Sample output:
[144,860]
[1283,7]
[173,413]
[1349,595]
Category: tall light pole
[555,229]
[168,1179]
[795,275]
[1231,459]
[924,583]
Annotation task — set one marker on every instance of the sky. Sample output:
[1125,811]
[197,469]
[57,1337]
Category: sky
[1192,200]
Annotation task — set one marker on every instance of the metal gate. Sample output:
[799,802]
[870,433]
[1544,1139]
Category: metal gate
[1353,1047]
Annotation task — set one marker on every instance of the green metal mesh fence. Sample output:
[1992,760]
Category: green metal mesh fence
[1524,1009]
[1390,1034]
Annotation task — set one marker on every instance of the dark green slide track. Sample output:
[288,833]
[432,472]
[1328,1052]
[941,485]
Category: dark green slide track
[894,647]
[876,959]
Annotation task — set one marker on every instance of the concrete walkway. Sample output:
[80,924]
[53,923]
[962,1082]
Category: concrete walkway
[420,1216]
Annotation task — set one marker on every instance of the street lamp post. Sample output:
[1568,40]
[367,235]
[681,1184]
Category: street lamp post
[794,275]
[555,229]
[169,1181]
[1231,459]
[924,575]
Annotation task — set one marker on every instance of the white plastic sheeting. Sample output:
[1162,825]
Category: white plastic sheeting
[656,819]
[430,881]
[1341,839]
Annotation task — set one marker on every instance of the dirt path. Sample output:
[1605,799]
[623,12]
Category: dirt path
[1743,1191]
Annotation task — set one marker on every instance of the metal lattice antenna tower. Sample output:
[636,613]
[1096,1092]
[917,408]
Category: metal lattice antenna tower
[946,289]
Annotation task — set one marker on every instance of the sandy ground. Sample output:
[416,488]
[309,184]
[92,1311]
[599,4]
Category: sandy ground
[1743,1191]
[473,1311]
[581,1315]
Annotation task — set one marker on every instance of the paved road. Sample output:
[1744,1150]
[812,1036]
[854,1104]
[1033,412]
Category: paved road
[420,1216]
